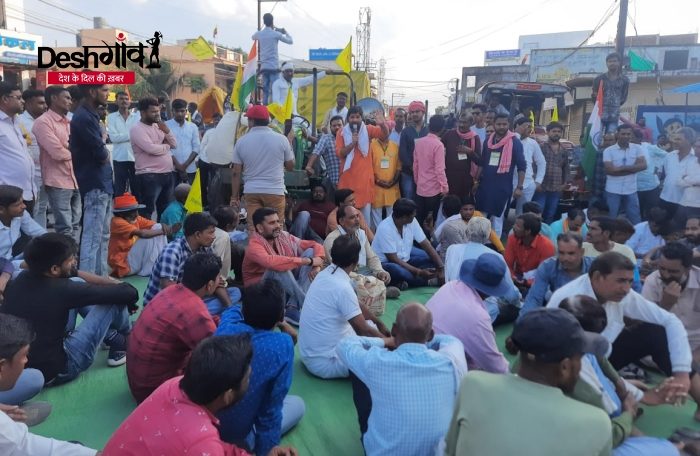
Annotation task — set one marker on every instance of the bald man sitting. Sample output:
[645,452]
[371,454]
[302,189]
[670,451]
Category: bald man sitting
[405,396]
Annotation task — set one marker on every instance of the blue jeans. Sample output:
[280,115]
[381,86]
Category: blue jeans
[549,202]
[293,409]
[41,205]
[630,204]
[82,344]
[155,192]
[301,228]
[408,186]
[268,78]
[65,205]
[214,304]
[28,385]
[97,216]
[295,283]
[418,259]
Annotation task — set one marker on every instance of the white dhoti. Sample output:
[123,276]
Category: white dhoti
[144,253]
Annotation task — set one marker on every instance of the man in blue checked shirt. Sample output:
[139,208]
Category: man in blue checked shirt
[325,148]
[266,411]
[413,387]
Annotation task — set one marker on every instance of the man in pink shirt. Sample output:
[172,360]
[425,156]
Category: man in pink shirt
[429,170]
[458,310]
[52,130]
[180,416]
[152,141]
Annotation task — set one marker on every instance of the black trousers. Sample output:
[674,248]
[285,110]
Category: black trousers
[363,401]
[647,200]
[639,340]
[204,169]
[124,180]
[425,205]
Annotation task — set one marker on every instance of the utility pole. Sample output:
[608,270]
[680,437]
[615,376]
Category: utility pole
[621,30]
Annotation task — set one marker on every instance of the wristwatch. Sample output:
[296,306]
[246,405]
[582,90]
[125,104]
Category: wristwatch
[519,187]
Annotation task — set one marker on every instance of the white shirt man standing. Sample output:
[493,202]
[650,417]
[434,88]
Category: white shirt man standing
[118,125]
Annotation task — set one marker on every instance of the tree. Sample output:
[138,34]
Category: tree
[155,81]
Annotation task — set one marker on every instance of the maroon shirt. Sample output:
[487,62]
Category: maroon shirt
[319,213]
[166,332]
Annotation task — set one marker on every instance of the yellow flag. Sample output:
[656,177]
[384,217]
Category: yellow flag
[555,114]
[200,49]
[344,59]
[282,113]
[194,198]
[532,118]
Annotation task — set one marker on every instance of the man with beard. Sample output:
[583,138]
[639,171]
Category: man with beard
[407,143]
[502,154]
[288,82]
[692,238]
[325,148]
[276,254]
[557,172]
[310,215]
[675,286]
[462,153]
[48,297]
[340,109]
[400,123]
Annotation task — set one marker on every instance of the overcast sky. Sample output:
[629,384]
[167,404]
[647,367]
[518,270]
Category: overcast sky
[425,43]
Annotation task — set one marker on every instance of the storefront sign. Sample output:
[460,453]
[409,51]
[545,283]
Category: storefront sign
[19,48]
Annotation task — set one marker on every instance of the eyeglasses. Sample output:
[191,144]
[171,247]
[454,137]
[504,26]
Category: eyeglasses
[16,97]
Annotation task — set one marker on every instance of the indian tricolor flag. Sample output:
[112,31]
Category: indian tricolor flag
[593,138]
[245,81]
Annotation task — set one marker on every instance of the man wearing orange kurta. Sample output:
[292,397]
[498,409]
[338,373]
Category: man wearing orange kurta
[387,171]
[353,149]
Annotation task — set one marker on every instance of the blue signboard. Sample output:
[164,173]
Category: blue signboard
[323,54]
[505,54]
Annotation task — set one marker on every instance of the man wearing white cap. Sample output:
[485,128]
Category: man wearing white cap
[282,85]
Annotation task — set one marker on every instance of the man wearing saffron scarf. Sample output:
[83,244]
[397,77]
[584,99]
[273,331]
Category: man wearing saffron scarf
[501,155]
[462,152]
[276,254]
[352,146]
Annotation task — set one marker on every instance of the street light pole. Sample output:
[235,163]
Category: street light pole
[621,31]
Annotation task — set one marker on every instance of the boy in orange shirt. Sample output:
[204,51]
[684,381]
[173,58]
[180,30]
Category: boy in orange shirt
[135,242]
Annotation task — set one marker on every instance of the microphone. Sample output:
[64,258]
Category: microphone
[354,128]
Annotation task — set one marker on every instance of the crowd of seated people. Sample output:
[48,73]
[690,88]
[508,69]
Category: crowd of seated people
[209,348]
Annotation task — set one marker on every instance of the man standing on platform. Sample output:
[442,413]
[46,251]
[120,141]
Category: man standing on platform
[268,39]
[502,154]
[615,87]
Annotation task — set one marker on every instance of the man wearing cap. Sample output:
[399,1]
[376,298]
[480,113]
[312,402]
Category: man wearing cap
[268,39]
[659,334]
[134,241]
[288,82]
[459,310]
[260,158]
[416,382]
[528,413]
[416,129]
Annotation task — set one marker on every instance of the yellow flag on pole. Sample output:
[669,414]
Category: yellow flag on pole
[194,198]
[200,49]
[344,59]
[555,114]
